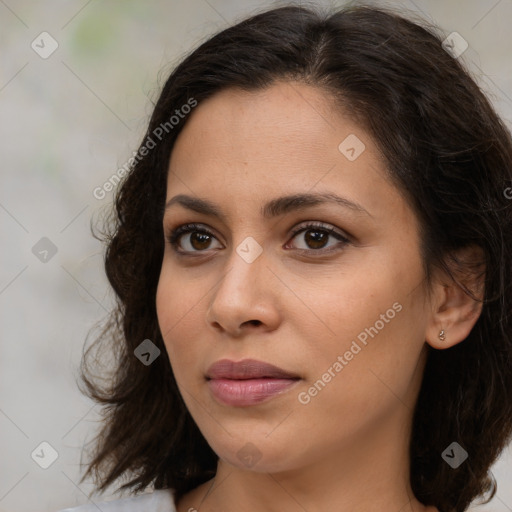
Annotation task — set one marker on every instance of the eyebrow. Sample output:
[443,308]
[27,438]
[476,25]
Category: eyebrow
[273,208]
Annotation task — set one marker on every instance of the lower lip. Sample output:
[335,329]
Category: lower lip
[248,392]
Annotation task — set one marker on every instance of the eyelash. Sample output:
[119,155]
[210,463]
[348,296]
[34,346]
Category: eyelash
[175,234]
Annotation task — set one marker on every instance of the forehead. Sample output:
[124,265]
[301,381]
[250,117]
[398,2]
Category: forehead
[287,138]
[285,115]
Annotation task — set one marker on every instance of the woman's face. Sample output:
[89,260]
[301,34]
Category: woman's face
[343,312]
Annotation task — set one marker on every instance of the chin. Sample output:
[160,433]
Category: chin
[253,453]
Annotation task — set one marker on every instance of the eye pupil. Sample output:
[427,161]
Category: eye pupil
[318,239]
[202,239]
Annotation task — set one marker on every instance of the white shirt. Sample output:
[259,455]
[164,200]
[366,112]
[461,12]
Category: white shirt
[160,500]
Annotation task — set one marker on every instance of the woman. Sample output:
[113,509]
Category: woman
[312,255]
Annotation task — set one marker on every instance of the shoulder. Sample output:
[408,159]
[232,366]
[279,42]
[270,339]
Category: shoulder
[158,501]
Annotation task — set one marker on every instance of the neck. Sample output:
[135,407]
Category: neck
[367,474]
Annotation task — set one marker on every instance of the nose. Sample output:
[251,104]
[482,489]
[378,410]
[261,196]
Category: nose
[245,298]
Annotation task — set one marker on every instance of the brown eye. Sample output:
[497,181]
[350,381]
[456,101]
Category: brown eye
[316,237]
[199,240]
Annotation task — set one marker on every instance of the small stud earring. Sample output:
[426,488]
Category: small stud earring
[442,336]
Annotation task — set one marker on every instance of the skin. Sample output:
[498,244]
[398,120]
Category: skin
[347,448]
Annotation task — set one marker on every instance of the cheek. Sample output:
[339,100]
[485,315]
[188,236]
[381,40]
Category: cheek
[376,323]
[349,308]
[178,310]
[376,372]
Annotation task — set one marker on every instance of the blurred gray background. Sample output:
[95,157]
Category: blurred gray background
[69,120]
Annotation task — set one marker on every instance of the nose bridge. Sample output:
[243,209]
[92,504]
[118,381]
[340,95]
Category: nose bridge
[237,298]
[244,267]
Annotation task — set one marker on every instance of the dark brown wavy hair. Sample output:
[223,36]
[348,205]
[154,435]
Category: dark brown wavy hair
[448,153]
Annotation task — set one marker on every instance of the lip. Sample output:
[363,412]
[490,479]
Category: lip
[247,382]
[246,369]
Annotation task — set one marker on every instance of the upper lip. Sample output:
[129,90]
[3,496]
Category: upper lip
[246,369]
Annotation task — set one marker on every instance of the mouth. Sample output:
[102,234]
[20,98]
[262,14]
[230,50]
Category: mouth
[247,382]
[247,369]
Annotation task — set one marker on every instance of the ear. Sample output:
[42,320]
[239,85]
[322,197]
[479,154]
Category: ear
[453,310]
